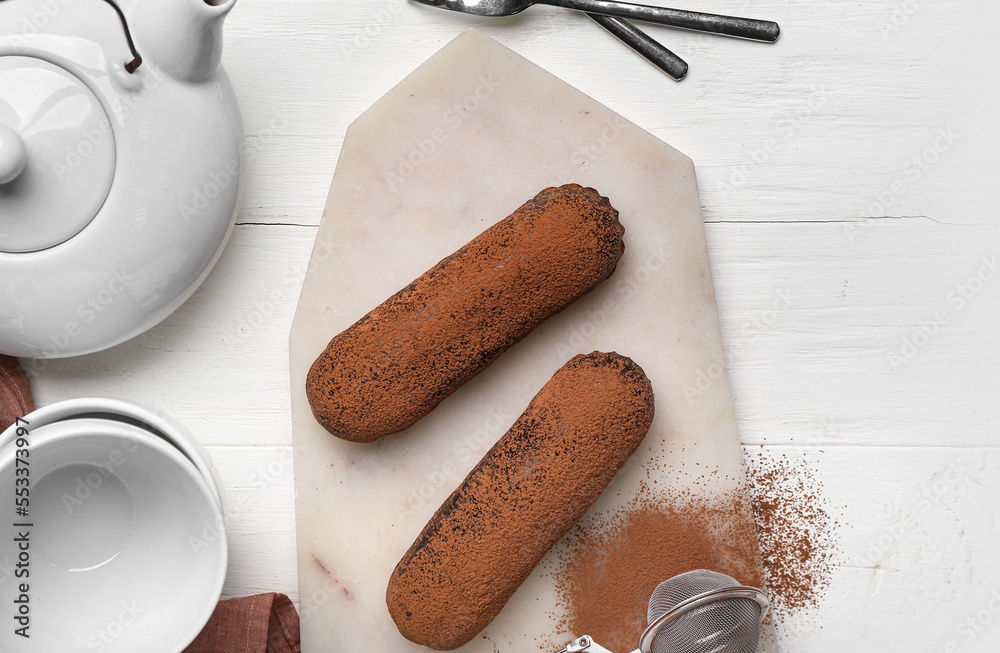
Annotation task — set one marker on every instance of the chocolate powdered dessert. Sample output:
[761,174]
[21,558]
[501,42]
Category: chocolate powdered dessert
[525,494]
[398,362]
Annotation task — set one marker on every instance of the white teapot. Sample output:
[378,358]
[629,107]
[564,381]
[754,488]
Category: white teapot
[121,167]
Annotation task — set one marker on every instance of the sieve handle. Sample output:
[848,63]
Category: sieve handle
[584,644]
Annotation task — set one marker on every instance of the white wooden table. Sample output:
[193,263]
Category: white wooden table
[850,166]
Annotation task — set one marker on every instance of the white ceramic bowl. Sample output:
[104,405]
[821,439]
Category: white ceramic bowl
[127,546]
[155,421]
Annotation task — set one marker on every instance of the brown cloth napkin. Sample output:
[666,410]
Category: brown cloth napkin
[266,623]
[15,392]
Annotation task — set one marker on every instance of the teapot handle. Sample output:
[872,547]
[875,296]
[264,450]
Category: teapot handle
[130,66]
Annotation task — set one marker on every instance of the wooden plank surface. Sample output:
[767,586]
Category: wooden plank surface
[849,168]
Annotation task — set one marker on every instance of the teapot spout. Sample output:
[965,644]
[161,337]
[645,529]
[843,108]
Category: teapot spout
[182,38]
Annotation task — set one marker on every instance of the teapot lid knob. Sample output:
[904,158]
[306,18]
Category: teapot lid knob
[13,155]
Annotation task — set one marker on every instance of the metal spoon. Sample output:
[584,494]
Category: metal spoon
[675,67]
[747,28]
[651,49]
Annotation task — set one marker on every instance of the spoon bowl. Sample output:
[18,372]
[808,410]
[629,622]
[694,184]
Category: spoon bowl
[481,7]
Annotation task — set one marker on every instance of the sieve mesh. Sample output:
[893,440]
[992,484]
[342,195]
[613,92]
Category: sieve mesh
[727,625]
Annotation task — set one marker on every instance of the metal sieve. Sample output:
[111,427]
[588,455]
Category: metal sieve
[703,612]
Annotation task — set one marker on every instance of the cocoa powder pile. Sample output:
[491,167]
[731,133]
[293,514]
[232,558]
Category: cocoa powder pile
[394,365]
[525,494]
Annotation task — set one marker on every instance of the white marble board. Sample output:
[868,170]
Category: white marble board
[456,146]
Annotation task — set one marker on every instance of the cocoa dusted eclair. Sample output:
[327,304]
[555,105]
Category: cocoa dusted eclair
[525,494]
[398,362]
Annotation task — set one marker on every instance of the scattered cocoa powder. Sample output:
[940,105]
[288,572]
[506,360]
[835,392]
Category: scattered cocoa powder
[525,494]
[613,562]
[394,365]
[798,537]
[779,530]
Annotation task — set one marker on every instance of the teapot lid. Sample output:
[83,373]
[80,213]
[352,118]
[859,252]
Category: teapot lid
[57,154]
